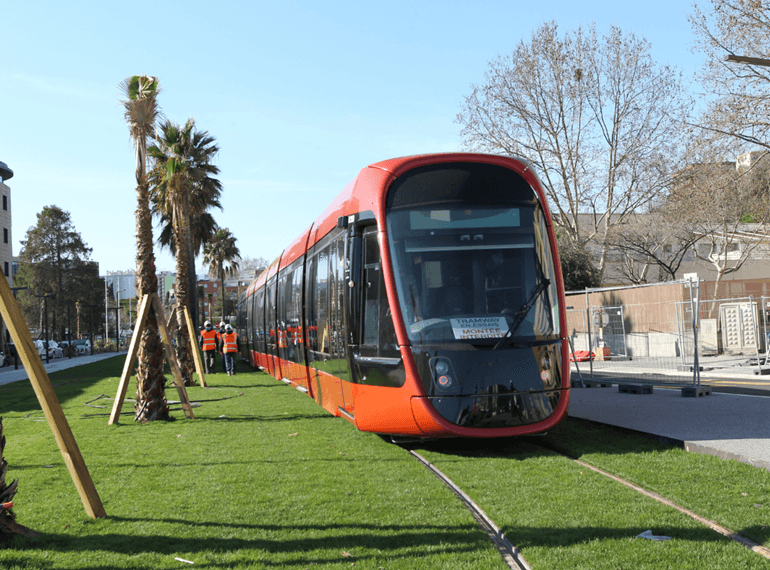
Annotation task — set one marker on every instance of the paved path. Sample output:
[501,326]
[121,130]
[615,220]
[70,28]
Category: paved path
[10,374]
[733,426]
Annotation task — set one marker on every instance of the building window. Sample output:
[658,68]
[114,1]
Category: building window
[7,273]
[5,202]
[5,235]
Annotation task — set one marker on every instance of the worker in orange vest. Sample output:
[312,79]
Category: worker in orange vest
[230,340]
[221,344]
[209,346]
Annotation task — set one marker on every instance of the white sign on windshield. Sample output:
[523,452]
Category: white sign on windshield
[479,327]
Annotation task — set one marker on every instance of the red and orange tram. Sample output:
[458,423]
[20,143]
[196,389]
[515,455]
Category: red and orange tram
[426,301]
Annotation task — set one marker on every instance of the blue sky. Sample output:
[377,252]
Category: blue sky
[299,95]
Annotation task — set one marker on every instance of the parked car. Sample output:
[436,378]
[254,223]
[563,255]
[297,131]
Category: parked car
[54,350]
[83,345]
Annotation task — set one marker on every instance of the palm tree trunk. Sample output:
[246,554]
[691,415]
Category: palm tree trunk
[192,278]
[222,293]
[151,384]
[183,345]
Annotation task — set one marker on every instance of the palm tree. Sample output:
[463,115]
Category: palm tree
[199,152]
[183,187]
[141,112]
[221,255]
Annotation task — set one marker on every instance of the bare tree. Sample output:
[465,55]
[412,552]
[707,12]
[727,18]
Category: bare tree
[661,239]
[726,205]
[599,118]
[738,102]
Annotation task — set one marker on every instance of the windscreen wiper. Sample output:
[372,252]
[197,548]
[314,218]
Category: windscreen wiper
[524,311]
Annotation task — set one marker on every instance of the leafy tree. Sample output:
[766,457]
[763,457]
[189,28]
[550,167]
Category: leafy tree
[182,189]
[56,261]
[221,255]
[599,118]
[141,111]
[577,267]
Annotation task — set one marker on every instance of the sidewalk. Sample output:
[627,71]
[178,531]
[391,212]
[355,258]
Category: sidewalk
[10,374]
[731,426]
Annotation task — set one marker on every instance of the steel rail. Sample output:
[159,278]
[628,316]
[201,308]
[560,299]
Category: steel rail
[731,534]
[511,555]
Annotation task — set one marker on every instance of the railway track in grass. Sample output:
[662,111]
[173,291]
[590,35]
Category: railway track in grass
[512,555]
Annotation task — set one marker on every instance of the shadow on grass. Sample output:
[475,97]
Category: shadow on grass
[573,437]
[325,543]
[321,543]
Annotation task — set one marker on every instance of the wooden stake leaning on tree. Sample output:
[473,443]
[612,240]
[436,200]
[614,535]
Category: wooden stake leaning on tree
[46,395]
[150,303]
[195,349]
[133,350]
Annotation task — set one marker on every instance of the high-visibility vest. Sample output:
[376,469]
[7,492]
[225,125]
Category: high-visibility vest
[231,342]
[209,339]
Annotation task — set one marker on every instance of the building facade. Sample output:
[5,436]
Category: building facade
[6,245]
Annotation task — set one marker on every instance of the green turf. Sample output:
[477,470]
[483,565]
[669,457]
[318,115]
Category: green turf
[563,515]
[264,479]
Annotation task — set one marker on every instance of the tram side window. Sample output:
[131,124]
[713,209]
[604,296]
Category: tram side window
[322,301]
[311,328]
[378,335]
[284,294]
[296,316]
[259,321]
[291,307]
[270,317]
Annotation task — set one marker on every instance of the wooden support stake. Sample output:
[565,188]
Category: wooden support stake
[194,347]
[49,403]
[171,358]
[150,302]
[133,350]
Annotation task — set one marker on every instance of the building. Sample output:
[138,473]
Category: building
[209,293]
[6,246]
[123,283]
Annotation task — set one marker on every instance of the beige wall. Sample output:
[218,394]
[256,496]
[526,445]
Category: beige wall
[6,249]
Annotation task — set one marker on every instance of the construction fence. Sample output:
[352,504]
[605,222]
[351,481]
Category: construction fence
[664,333]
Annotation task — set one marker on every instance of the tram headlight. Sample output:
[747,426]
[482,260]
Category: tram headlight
[443,375]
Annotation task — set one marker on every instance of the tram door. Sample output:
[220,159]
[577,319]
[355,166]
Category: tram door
[324,353]
[340,269]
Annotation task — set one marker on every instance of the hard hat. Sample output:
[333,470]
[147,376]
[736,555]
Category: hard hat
[228,328]
[222,324]
[207,324]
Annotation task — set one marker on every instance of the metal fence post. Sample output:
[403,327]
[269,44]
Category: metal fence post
[590,335]
[695,308]
[755,330]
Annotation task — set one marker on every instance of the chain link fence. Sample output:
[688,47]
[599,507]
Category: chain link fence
[664,334]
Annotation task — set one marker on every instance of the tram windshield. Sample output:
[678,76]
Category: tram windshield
[474,275]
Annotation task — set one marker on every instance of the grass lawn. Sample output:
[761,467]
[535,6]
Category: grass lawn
[563,515]
[262,479]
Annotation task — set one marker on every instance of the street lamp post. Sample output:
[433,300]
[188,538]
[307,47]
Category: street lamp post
[45,321]
[91,326]
[117,321]
[15,351]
